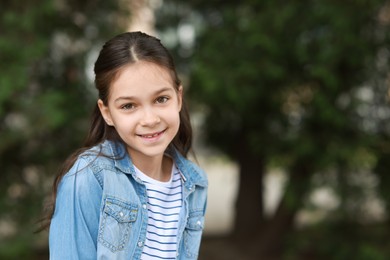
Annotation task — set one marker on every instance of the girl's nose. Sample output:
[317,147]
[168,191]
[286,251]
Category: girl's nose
[149,118]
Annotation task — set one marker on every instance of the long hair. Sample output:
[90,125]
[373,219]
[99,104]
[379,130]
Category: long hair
[120,51]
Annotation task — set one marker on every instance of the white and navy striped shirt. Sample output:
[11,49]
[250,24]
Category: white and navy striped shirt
[164,205]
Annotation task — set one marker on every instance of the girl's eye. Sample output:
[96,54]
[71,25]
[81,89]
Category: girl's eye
[162,99]
[127,106]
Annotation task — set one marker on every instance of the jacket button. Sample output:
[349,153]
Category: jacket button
[144,206]
[140,244]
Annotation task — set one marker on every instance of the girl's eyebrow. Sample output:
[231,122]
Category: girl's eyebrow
[155,94]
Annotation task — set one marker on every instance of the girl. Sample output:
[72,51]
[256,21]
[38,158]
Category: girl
[130,193]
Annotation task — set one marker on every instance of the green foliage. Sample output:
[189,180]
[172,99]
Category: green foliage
[338,241]
[277,76]
[382,168]
[45,101]
[302,84]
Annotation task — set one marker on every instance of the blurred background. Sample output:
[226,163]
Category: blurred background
[289,100]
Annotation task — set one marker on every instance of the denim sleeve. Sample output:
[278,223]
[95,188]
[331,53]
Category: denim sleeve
[74,226]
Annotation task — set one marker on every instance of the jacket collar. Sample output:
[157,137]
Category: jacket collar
[193,175]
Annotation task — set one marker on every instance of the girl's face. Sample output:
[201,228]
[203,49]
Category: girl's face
[144,107]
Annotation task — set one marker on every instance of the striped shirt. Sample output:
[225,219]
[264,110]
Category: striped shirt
[164,205]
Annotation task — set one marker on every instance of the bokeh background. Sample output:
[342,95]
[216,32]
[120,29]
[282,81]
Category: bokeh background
[289,100]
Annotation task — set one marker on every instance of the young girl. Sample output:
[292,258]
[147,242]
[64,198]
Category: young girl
[130,193]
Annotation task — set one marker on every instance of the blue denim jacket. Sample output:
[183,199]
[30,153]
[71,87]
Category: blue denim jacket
[101,208]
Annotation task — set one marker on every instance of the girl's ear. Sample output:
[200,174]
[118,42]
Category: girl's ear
[180,96]
[105,112]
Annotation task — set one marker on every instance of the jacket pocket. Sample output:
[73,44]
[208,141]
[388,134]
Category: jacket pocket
[116,223]
[193,234]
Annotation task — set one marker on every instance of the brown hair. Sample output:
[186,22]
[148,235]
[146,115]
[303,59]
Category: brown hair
[124,49]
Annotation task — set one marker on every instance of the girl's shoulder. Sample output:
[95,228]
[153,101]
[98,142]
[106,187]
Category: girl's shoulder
[94,160]
[104,154]
[95,165]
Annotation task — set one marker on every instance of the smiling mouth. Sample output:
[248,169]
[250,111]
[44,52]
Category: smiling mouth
[153,135]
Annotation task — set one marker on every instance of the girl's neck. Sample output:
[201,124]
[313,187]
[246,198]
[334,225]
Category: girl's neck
[158,168]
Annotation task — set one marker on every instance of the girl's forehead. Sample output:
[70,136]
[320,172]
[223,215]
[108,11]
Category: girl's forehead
[145,69]
[141,76]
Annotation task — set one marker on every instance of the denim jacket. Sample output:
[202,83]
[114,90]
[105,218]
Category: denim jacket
[101,208]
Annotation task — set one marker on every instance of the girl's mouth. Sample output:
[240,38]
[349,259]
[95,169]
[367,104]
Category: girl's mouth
[152,136]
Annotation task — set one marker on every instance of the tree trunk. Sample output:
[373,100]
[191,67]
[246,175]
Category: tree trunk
[271,239]
[249,204]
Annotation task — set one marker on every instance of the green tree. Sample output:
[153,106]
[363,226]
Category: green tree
[45,98]
[285,84]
